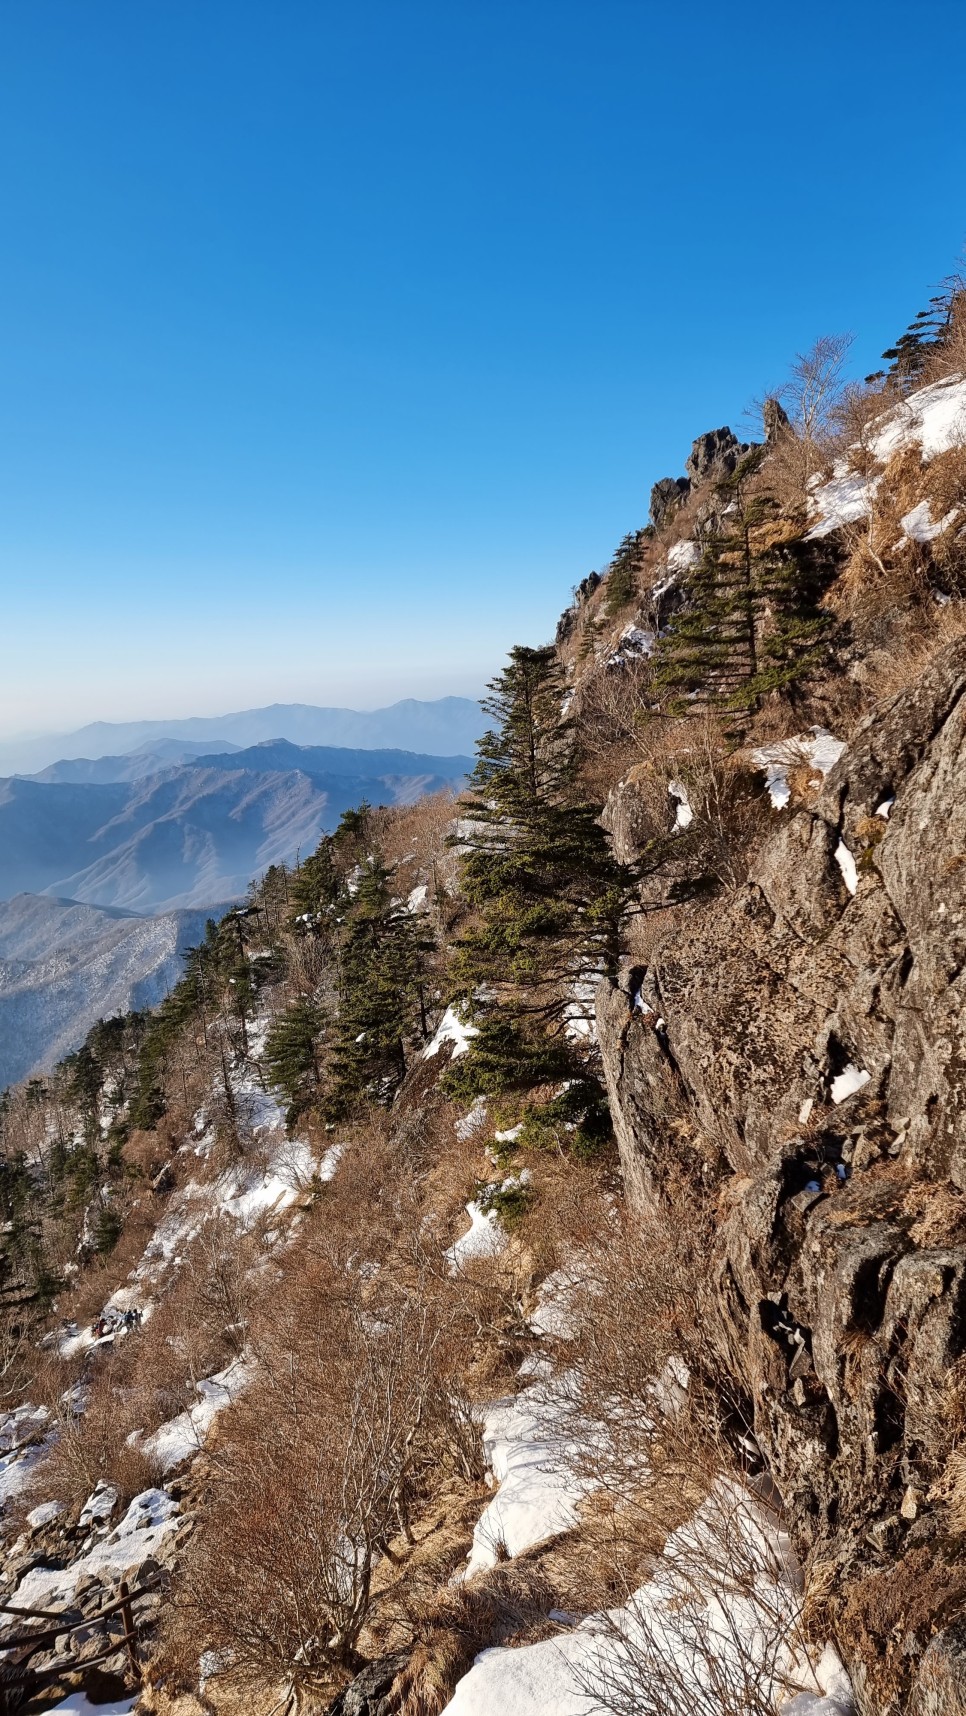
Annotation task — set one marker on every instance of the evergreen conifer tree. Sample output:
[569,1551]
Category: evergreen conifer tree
[292,1052]
[623,572]
[751,621]
[926,334]
[381,957]
[547,892]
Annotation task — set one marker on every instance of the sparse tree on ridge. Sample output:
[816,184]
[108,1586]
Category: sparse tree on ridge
[537,867]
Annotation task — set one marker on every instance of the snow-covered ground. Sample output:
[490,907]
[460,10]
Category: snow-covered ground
[450,1029]
[151,1517]
[534,1462]
[485,1237]
[934,418]
[24,1440]
[818,749]
[245,1192]
[719,1616]
[181,1438]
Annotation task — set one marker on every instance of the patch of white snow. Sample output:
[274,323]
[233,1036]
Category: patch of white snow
[451,1029]
[533,1463]
[848,1082]
[684,815]
[846,863]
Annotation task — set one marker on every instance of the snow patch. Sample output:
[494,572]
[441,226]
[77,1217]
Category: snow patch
[684,815]
[471,1122]
[484,1238]
[634,644]
[848,1082]
[24,1440]
[918,524]
[245,1192]
[846,863]
[45,1514]
[509,1135]
[554,1313]
[818,749]
[150,1518]
[696,1619]
[451,1029]
[532,1462]
[683,556]
[842,500]
[934,418]
[183,1437]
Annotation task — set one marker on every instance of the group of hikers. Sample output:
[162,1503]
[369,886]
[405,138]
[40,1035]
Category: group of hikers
[112,1322]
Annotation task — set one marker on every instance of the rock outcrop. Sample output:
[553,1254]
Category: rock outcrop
[814,1044]
[714,457]
[666,496]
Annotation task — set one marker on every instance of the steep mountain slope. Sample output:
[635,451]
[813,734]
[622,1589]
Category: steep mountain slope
[444,726]
[64,965]
[547,1417]
[187,836]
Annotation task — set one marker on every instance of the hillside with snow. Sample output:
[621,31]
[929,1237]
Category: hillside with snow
[520,1263]
[64,965]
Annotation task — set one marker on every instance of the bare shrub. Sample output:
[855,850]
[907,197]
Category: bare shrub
[812,397]
[317,1467]
[925,633]
[723,807]
[718,1629]
[92,1444]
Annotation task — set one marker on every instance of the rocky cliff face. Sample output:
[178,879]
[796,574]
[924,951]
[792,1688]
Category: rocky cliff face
[802,1039]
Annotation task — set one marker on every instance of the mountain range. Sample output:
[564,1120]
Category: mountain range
[127,836]
[192,835]
[442,727]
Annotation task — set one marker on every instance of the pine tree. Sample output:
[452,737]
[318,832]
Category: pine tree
[926,334]
[547,892]
[623,571]
[292,1053]
[381,960]
[751,622]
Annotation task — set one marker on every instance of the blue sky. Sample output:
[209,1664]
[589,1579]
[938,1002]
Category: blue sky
[339,341]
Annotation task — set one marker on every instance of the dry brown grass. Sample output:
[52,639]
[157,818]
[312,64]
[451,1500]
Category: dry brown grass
[93,1447]
[888,1617]
[413,840]
[919,637]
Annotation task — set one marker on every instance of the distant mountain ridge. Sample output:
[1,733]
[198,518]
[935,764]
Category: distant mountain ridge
[197,833]
[272,755]
[444,726]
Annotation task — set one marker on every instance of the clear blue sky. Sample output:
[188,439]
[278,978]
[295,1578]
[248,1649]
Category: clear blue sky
[340,340]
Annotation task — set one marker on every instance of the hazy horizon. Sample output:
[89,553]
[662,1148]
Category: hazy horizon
[148,717]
